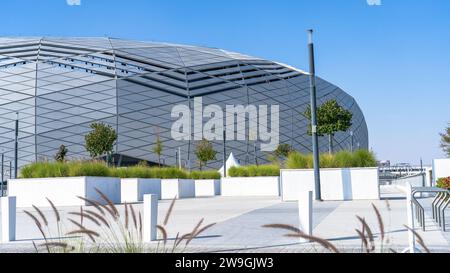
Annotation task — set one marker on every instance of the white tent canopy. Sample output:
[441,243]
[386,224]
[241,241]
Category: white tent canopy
[231,162]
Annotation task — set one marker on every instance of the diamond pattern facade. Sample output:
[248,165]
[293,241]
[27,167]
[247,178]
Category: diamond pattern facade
[60,86]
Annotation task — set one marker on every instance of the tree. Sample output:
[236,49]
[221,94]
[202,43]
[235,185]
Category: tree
[100,141]
[331,119]
[157,149]
[283,150]
[445,141]
[205,152]
[61,154]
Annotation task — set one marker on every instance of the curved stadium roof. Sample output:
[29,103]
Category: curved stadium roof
[61,85]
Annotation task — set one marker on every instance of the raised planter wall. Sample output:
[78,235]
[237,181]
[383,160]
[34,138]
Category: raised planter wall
[134,189]
[336,184]
[250,186]
[180,188]
[441,168]
[63,191]
[207,188]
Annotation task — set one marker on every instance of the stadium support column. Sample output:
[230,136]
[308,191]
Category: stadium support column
[315,139]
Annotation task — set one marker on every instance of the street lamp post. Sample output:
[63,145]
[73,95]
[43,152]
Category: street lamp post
[16,147]
[315,139]
[351,143]
[2,176]
[224,154]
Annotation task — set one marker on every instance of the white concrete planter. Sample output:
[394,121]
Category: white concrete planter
[134,189]
[250,186]
[63,191]
[207,188]
[180,188]
[336,184]
[441,169]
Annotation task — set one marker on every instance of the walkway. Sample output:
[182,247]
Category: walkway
[240,220]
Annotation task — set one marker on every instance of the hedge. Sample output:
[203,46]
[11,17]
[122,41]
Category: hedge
[343,159]
[254,171]
[100,169]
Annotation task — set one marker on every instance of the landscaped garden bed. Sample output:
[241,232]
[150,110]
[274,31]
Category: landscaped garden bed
[344,176]
[64,182]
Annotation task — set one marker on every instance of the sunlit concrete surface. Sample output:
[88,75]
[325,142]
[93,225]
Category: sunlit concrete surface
[239,224]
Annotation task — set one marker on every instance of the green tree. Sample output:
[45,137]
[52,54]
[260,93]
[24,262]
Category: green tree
[61,154]
[281,153]
[283,150]
[205,152]
[445,141]
[157,149]
[331,119]
[100,141]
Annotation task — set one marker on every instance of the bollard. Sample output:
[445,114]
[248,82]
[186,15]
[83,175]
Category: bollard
[8,219]
[150,217]
[305,213]
[410,220]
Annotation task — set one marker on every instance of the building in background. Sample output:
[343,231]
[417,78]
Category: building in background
[60,86]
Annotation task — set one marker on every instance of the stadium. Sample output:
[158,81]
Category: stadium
[59,86]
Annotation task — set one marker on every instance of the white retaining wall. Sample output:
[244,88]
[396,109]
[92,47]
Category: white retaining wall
[180,188]
[207,188]
[63,191]
[133,189]
[250,186]
[441,168]
[336,184]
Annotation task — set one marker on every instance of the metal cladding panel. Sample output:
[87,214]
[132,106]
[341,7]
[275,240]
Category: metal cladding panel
[60,86]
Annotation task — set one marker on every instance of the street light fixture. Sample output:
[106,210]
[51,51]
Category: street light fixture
[315,138]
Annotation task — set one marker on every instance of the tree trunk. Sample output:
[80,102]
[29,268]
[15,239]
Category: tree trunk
[330,144]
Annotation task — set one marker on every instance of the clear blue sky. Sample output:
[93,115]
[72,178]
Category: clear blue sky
[394,58]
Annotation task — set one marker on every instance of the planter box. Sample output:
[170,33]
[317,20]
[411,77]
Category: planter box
[180,188]
[251,186]
[207,188]
[134,189]
[63,191]
[441,169]
[336,184]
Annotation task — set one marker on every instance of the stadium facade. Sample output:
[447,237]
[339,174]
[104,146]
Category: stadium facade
[59,86]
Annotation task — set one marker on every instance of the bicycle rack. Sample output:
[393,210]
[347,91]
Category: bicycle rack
[420,213]
[443,205]
[440,203]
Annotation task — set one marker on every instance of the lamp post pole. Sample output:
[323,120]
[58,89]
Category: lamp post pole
[224,154]
[351,144]
[315,139]
[2,176]
[16,147]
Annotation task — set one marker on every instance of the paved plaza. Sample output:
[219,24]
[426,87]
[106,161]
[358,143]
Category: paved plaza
[239,224]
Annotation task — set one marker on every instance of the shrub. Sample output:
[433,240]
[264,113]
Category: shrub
[327,161]
[364,158]
[100,169]
[45,169]
[444,183]
[297,160]
[92,168]
[343,159]
[254,171]
[204,175]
